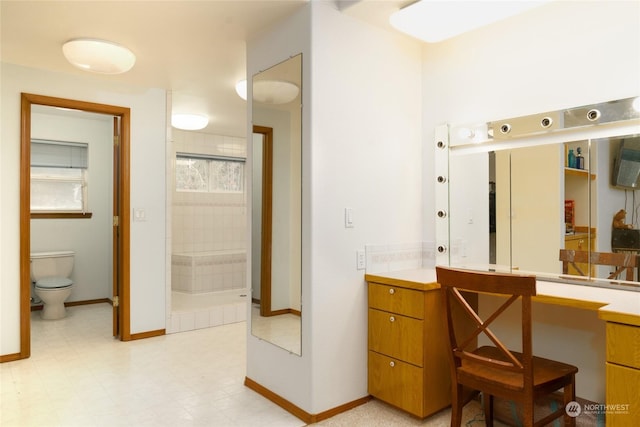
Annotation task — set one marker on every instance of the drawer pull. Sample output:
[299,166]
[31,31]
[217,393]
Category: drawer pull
[392,291]
[392,319]
[392,363]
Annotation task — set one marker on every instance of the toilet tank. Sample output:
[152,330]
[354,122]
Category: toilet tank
[51,264]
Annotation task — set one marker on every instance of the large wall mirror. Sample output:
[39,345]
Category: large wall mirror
[560,203]
[276,214]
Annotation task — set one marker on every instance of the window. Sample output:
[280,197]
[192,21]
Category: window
[209,174]
[58,177]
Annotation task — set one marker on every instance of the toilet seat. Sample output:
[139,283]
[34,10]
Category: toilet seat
[54,283]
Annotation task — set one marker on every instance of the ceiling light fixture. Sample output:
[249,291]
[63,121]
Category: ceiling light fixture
[189,121]
[274,91]
[241,89]
[437,20]
[269,91]
[98,56]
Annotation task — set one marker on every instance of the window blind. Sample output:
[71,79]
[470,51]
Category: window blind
[59,154]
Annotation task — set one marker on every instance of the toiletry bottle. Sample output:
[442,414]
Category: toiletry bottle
[579,159]
[571,159]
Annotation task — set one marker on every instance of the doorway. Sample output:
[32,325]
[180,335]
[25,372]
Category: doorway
[262,204]
[121,163]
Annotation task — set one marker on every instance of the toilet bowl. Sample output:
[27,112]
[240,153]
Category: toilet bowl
[50,272]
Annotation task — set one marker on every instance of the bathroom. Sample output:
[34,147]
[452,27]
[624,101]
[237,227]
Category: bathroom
[92,257]
[208,229]
[207,198]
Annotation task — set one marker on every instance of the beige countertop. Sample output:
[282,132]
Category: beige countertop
[612,304]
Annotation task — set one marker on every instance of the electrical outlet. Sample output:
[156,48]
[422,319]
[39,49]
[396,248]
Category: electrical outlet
[361,261]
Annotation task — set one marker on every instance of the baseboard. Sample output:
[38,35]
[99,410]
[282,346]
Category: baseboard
[297,411]
[148,334]
[75,303]
[10,357]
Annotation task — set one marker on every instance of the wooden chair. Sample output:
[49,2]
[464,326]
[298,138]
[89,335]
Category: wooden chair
[622,261]
[495,370]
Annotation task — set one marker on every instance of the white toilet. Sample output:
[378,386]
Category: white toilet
[51,272]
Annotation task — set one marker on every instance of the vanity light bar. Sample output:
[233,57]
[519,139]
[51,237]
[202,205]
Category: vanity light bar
[618,111]
[605,112]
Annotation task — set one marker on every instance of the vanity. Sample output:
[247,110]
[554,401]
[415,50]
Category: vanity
[408,364]
[408,367]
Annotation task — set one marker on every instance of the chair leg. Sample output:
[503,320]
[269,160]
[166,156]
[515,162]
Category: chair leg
[487,400]
[456,405]
[527,413]
[569,396]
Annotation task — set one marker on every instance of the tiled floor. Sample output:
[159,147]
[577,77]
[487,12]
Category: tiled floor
[78,375]
[282,330]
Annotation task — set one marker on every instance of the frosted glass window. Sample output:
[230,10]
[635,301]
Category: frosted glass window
[192,174]
[58,190]
[227,176]
[59,176]
[209,174]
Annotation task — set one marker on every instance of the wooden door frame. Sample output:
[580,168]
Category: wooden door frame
[266,220]
[27,100]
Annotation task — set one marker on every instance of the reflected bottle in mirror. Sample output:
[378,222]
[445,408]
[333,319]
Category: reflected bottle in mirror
[571,159]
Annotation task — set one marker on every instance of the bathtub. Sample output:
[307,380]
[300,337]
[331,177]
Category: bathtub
[211,271]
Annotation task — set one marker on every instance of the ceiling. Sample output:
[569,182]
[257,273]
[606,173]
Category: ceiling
[195,49]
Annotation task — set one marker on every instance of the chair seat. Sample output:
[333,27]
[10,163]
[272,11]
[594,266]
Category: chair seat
[545,372]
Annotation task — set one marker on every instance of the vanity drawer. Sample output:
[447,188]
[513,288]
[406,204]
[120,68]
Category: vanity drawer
[404,301]
[397,383]
[622,394]
[397,336]
[623,344]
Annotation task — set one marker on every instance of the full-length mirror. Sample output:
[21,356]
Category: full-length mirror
[276,215]
[563,209]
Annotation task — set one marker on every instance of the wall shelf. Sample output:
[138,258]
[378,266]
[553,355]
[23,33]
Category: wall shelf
[578,172]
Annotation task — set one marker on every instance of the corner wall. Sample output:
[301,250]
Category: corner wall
[362,150]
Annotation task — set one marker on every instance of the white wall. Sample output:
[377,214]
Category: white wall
[361,149]
[92,272]
[148,144]
[529,64]
[366,150]
[560,55]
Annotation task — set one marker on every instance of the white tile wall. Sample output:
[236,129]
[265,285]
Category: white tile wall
[402,256]
[208,222]
[211,223]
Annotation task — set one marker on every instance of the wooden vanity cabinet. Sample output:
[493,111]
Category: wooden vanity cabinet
[408,363]
[623,375]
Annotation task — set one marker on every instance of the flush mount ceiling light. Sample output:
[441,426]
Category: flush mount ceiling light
[269,91]
[437,20]
[274,91]
[189,121]
[241,89]
[98,56]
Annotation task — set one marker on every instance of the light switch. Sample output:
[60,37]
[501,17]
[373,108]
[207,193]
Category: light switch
[348,218]
[139,214]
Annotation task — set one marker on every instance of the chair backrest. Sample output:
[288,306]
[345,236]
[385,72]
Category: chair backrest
[622,261]
[453,282]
